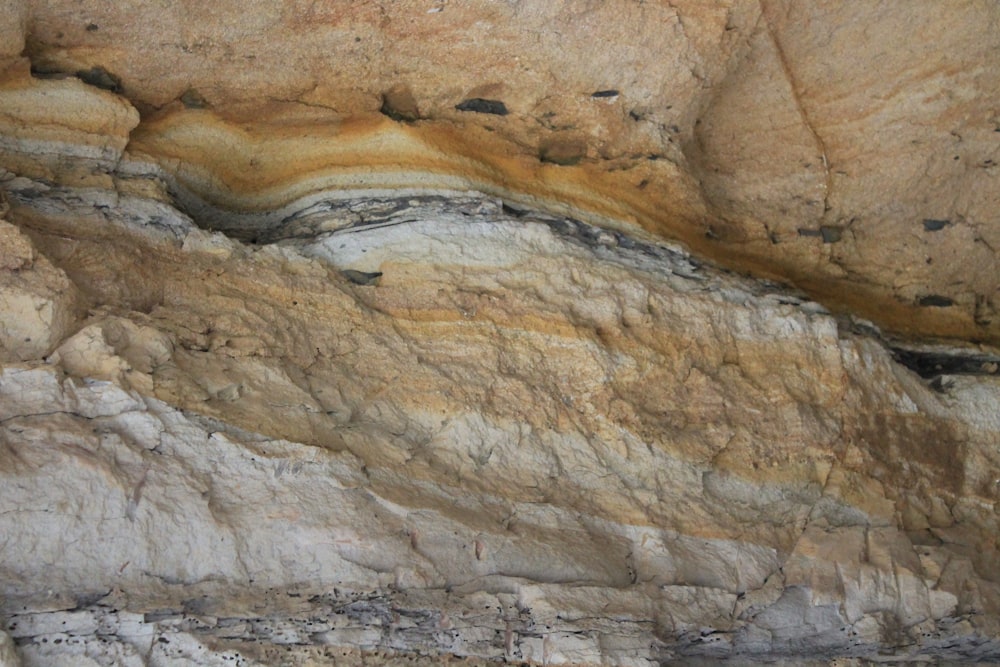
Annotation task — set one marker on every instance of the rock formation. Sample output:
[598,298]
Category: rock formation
[622,332]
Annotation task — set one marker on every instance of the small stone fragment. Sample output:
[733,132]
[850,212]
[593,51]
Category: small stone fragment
[936,301]
[830,234]
[41,71]
[101,78]
[479,105]
[935,225]
[192,99]
[362,277]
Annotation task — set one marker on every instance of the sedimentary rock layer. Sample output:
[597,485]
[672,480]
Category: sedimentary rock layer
[359,351]
[850,151]
[455,427]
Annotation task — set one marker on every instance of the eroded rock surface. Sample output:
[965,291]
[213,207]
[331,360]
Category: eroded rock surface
[849,150]
[394,360]
[455,427]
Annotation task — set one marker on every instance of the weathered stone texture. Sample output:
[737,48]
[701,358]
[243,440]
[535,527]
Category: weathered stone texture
[357,333]
[805,141]
[519,406]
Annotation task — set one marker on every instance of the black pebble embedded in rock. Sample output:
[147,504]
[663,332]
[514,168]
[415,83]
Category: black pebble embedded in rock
[605,93]
[101,78]
[479,105]
[192,99]
[936,301]
[933,364]
[362,277]
[91,27]
[43,72]
[935,225]
[831,234]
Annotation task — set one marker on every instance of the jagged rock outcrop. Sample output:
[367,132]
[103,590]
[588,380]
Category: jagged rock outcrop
[401,360]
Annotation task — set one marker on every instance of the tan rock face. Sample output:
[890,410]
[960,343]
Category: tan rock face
[374,346]
[849,151]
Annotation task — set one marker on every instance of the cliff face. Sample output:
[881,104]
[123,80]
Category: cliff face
[588,333]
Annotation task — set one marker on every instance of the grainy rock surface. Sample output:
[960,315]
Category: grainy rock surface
[432,424]
[383,346]
[850,150]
